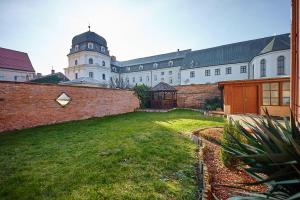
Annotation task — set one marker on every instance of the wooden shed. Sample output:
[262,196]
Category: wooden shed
[251,96]
[163,96]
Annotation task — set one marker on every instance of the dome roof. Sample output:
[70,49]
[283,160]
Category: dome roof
[89,37]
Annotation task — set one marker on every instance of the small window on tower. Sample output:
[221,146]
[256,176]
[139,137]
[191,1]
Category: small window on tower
[91,61]
[102,49]
[90,45]
[103,63]
[76,47]
[76,75]
[91,74]
[103,76]
[76,62]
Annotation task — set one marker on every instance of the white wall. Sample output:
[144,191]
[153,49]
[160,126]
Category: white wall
[9,75]
[271,64]
[200,77]
[148,77]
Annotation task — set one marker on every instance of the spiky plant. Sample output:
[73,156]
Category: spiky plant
[271,154]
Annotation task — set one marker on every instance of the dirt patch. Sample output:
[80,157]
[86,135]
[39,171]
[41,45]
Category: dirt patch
[218,173]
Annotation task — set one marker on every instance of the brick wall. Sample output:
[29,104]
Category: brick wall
[193,96]
[24,105]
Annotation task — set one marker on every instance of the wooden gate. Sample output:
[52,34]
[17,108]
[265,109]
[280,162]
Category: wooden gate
[244,99]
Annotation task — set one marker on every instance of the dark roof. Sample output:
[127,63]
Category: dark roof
[51,78]
[237,52]
[163,87]
[16,60]
[155,58]
[89,37]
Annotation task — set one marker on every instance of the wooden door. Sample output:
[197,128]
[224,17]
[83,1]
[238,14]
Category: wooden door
[244,100]
[250,99]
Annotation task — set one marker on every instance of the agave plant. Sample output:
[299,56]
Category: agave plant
[271,154]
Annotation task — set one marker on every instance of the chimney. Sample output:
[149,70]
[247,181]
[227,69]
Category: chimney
[113,58]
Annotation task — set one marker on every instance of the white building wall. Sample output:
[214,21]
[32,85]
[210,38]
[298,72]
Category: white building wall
[200,77]
[15,75]
[271,64]
[151,78]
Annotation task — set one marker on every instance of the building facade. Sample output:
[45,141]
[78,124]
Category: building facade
[267,57]
[15,66]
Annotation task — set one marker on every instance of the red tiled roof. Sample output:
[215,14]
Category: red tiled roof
[16,60]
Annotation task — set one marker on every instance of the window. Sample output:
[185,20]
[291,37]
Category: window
[207,72]
[162,73]
[217,72]
[170,72]
[286,93]
[280,65]
[141,67]
[155,65]
[90,45]
[103,76]
[114,69]
[103,63]
[270,94]
[263,68]
[91,74]
[102,49]
[76,75]
[133,79]
[148,79]
[141,79]
[192,74]
[243,69]
[76,62]
[76,47]
[16,78]
[91,61]
[155,77]
[170,63]
[128,68]
[170,80]
[228,70]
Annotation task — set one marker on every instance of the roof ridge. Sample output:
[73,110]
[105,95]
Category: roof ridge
[13,50]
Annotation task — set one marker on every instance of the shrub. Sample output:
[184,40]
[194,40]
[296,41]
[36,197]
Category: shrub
[213,103]
[144,95]
[271,154]
[227,142]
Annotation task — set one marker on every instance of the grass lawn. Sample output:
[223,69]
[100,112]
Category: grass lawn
[129,156]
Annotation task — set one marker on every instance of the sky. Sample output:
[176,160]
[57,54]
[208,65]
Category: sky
[135,28]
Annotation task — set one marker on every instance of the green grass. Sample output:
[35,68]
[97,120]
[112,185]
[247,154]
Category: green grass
[129,156]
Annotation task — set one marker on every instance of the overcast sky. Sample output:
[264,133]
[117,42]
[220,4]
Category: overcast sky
[136,28]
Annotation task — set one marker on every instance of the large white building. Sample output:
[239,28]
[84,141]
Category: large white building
[267,57]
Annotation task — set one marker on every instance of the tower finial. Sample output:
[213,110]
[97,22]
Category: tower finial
[89,27]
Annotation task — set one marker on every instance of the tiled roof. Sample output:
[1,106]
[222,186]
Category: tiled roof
[15,60]
[236,53]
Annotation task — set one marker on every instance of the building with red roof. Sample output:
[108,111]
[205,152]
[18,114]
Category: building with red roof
[15,66]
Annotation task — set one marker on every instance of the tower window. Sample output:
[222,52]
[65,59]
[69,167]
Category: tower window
[76,47]
[155,65]
[90,45]
[76,75]
[170,63]
[103,76]
[102,49]
[76,62]
[141,67]
[280,65]
[91,74]
[103,63]
[91,61]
